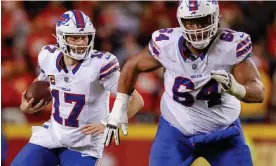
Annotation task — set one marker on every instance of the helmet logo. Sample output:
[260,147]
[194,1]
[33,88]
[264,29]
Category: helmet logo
[193,5]
[63,19]
[81,30]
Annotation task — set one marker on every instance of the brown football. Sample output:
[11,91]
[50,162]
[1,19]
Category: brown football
[39,90]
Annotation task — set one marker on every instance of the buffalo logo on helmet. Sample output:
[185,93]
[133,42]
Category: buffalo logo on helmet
[63,19]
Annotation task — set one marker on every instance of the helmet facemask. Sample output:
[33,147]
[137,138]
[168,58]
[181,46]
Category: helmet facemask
[73,50]
[201,36]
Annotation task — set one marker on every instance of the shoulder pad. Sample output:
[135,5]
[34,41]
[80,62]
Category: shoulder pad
[45,52]
[239,43]
[162,38]
[109,65]
[101,55]
[240,40]
[244,44]
[51,48]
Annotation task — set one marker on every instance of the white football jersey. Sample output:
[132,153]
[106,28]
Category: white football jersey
[192,101]
[80,96]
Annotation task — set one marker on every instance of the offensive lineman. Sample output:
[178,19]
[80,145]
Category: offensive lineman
[208,71]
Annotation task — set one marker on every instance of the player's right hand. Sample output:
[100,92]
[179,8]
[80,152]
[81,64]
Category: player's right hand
[112,128]
[26,106]
[116,119]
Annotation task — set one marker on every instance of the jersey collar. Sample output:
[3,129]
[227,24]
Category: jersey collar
[186,53]
[60,64]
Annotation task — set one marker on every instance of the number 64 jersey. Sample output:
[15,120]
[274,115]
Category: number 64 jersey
[192,101]
[80,96]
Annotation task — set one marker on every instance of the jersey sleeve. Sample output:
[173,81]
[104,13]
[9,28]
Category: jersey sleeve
[161,45]
[243,47]
[42,60]
[155,45]
[109,72]
[111,83]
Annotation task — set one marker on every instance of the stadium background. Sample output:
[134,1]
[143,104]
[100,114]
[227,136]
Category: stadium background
[124,28]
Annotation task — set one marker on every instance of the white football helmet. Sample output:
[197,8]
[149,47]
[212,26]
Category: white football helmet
[74,22]
[194,9]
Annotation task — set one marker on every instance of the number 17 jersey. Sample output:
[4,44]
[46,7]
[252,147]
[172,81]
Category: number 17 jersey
[193,102]
[80,97]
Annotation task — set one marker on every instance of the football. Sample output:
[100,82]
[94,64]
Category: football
[39,90]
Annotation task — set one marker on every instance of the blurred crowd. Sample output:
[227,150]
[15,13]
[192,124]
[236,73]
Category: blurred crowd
[124,28]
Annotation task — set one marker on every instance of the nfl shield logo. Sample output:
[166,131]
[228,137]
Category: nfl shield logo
[194,66]
[66,79]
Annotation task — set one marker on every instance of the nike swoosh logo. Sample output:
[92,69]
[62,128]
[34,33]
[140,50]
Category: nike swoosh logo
[84,155]
[242,35]
[107,56]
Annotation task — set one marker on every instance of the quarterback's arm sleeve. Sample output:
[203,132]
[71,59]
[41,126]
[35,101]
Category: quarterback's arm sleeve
[111,83]
[244,48]
[109,73]
[108,69]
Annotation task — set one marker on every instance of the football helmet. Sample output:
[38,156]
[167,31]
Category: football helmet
[74,22]
[189,10]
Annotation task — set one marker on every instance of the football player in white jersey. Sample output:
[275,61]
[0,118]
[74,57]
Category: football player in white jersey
[208,71]
[81,80]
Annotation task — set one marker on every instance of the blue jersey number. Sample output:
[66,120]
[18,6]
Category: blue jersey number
[208,92]
[72,120]
[162,35]
[50,49]
[227,36]
[97,54]
[184,98]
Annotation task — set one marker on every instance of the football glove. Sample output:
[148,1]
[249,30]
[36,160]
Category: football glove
[118,117]
[229,83]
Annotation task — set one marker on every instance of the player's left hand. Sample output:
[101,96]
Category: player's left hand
[229,83]
[94,129]
[223,77]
